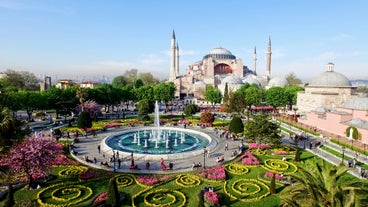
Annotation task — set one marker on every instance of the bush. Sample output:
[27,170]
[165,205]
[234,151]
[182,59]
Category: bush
[236,125]
[84,120]
[113,196]
[207,117]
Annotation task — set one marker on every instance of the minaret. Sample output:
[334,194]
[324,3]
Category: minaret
[172,74]
[177,60]
[268,61]
[255,61]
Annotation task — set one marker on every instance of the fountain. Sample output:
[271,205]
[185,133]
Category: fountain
[159,142]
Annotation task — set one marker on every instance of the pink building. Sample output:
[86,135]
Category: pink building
[353,112]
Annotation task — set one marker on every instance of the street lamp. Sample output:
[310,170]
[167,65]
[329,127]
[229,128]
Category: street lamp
[204,157]
[343,151]
[113,159]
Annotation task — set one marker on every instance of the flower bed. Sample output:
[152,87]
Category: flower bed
[72,171]
[246,190]
[93,173]
[124,180]
[63,195]
[211,198]
[188,180]
[101,199]
[270,175]
[236,169]
[249,159]
[256,146]
[152,180]
[64,160]
[279,166]
[164,198]
[216,173]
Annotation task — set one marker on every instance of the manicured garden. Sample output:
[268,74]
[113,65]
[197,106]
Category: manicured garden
[234,184]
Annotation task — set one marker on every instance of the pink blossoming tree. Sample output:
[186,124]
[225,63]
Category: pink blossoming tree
[32,156]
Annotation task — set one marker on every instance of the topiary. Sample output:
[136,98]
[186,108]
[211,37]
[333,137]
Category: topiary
[9,201]
[236,125]
[84,120]
[113,196]
[353,130]
[297,155]
[273,184]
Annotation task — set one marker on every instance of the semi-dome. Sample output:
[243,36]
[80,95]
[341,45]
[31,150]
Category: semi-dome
[200,83]
[251,81]
[220,53]
[277,82]
[232,80]
[330,78]
[358,103]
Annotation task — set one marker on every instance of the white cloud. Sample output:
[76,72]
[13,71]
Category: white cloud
[341,36]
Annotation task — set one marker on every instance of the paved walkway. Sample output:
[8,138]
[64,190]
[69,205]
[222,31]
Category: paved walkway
[88,147]
[333,159]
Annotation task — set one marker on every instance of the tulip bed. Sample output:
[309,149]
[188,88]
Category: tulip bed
[235,183]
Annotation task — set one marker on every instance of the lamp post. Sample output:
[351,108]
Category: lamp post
[113,159]
[204,157]
[343,151]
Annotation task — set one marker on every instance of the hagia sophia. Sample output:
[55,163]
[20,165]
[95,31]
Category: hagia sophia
[329,101]
[216,68]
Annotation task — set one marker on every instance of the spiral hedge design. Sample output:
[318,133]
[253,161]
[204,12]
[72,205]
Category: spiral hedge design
[164,198]
[63,195]
[236,169]
[279,166]
[188,181]
[124,180]
[72,170]
[246,190]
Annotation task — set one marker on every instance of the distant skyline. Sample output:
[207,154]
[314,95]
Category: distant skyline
[88,38]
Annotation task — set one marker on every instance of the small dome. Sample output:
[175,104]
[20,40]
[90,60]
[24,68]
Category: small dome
[358,103]
[232,80]
[277,82]
[251,81]
[330,78]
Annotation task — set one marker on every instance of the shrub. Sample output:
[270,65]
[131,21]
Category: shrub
[236,125]
[84,120]
[113,196]
[207,117]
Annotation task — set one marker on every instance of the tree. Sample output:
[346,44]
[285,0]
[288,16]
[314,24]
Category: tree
[32,156]
[91,107]
[145,107]
[138,83]
[292,80]
[191,109]
[22,80]
[5,179]
[207,117]
[291,93]
[225,98]
[213,95]
[82,95]
[236,102]
[164,92]
[10,127]
[144,92]
[131,76]
[276,96]
[84,120]
[148,79]
[323,185]
[236,125]
[113,196]
[262,131]
[119,81]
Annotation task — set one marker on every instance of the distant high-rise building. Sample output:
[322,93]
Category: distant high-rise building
[46,83]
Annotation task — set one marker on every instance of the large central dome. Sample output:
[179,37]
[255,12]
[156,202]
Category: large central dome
[220,53]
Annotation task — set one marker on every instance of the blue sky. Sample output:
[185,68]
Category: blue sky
[86,39]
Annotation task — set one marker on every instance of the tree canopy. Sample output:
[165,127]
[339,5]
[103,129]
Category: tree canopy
[32,156]
[213,95]
[262,130]
[236,125]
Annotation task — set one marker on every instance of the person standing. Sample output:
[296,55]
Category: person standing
[226,147]
[119,163]
[99,149]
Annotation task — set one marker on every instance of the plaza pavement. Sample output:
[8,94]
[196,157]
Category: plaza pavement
[88,147]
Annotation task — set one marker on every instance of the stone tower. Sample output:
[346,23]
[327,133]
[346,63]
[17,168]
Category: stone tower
[268,61]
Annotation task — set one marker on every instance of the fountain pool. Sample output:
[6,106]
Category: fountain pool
[154,143]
